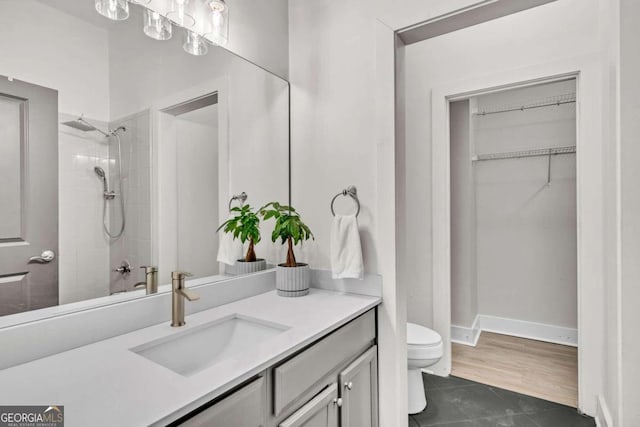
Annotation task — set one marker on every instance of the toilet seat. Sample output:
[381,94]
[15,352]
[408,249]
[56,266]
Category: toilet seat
[423,343]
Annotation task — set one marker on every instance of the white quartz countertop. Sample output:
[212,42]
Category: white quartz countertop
[106,384]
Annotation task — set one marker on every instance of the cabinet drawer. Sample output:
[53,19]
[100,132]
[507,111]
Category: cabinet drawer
[294,377]
[246,407]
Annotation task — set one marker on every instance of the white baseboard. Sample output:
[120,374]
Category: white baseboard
[517,328]
[603,416]
[466,336]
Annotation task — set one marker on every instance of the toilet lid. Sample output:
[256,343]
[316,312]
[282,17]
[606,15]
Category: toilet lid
[419,335]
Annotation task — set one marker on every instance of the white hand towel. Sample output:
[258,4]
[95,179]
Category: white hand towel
[346,252]
[230,250]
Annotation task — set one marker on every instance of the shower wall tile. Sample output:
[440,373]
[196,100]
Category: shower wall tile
[83,249]
[135,244]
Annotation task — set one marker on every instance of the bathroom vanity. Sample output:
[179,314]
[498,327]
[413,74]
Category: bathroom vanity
[333,381]
[260,360]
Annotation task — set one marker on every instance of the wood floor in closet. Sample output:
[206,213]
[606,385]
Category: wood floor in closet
[535,368]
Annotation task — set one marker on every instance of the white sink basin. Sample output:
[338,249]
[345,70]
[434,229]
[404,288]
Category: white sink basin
[203,346]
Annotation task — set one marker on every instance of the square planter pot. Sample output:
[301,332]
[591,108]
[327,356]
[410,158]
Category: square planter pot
[293,281]
[247,267]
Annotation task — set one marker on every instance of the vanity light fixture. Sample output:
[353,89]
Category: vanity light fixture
[219,22]
[179,15]
[194,43]
[205,21]
[156,26]
[116,10]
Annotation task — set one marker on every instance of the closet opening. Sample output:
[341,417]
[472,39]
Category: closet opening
[513,239]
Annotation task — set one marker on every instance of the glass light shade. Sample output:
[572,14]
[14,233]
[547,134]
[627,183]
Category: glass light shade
[194,43]
[116,10]
[219,22]
[156,26]
[179,15]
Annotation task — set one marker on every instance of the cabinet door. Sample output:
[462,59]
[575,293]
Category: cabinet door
[246,407]
[359,391]
[321,411]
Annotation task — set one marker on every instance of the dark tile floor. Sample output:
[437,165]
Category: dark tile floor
[455,402]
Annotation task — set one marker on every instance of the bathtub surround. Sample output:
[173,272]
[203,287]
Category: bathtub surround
[134,245]
[83,253]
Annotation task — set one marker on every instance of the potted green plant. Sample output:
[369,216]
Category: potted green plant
[292,277]
[245,225]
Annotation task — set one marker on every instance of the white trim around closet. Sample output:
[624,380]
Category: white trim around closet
[590,238]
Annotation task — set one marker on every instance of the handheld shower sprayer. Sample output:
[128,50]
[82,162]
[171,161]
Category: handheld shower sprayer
[108,195]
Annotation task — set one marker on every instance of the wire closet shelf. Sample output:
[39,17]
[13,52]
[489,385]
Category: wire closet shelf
[538,152]
[551,101]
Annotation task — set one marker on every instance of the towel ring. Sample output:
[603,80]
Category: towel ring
[242,197]
[349,191]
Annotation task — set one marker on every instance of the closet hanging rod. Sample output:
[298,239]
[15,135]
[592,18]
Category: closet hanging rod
[525,153]
[568,98]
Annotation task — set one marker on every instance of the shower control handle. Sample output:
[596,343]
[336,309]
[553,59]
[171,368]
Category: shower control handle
[44,258]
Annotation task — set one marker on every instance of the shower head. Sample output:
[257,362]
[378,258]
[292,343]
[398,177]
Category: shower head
[100,172]
[82,125]
[75,124]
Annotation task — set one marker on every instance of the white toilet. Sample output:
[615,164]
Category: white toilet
[424,348]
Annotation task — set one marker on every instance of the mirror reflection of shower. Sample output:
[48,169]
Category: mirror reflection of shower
[108,195]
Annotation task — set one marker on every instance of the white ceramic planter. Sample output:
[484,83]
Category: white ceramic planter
[243,267]
[293,281]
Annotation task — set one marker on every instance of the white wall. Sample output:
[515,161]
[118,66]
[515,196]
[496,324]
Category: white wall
[143,71]
[333,107]
[342,76]
[464,289]
[161,74]
[630,221]
[258,114]
[479,50]
[44,46]
[526,229]
[610,402]
[342,135]
[197,161]
[259,32]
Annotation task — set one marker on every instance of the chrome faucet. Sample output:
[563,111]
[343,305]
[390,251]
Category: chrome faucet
[151,280]
[179,293]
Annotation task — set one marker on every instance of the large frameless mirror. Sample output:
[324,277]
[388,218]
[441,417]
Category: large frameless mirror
[119,151]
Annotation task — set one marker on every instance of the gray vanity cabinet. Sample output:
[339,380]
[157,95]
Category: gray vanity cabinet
[359,391]
[331,383]
[321,411]
[245,407]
